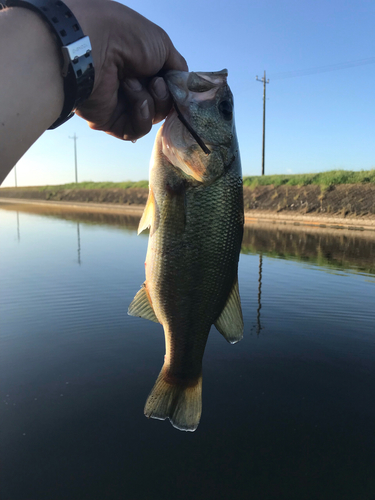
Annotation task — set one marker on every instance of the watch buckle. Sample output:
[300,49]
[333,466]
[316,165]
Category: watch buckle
[74,51]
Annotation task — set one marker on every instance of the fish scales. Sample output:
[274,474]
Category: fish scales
[196,228]
[189,272]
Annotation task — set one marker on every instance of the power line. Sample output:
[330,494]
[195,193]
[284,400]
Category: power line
[323,69]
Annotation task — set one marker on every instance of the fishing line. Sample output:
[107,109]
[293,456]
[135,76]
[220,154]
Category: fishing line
[191,130]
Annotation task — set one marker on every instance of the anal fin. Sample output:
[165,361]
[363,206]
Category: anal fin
[230,321]
[142,307]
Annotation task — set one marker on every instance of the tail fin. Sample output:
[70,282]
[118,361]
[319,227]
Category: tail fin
[179,401]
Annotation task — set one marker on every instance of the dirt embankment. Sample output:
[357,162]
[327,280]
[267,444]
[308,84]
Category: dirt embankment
[342,200]
[131,196]
[345,200]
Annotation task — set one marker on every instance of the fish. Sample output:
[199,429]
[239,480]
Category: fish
[195,216]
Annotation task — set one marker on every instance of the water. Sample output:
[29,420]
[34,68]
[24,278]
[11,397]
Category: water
[288,413]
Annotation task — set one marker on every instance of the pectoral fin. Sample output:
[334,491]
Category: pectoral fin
[230,321]
[142,307]
[149,217]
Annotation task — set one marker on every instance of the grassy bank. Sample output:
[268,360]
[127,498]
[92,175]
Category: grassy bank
[95,185]
[323,179]
[339,193]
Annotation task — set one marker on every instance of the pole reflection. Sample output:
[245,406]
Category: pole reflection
[78,244]
[18,228]
[259,326]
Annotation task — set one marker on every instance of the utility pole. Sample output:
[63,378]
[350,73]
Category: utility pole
[15,175]
[264,114]
[75,154]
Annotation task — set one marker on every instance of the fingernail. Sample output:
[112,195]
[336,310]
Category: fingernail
[133,84]
[160,88]
[145,111]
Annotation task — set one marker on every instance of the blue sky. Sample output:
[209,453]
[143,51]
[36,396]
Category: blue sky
[316,122]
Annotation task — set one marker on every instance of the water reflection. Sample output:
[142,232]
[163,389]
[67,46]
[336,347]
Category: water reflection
[127,222]
[289,408]
[332,248]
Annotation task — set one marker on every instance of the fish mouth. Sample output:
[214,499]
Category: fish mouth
[173,149]
[176,113]
[182,83]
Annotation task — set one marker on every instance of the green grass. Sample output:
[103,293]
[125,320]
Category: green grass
[97,185]
[323,179]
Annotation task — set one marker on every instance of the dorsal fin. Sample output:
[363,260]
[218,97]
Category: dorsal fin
[142,307]
[230,321]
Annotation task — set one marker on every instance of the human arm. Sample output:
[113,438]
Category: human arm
[128,50]
[31,84]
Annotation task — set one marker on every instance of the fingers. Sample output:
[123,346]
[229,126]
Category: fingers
[139,108]
[136,108]
[161,97]
[128,97]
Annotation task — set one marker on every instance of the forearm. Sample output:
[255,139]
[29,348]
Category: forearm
[128,97]
[31,96]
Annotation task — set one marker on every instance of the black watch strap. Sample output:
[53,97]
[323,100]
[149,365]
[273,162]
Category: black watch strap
[78,69]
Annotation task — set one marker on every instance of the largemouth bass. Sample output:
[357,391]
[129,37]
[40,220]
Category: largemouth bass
[195,216]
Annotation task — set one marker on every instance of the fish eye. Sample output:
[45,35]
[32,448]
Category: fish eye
[226,109]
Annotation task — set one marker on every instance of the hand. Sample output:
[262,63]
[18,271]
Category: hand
[128,52]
